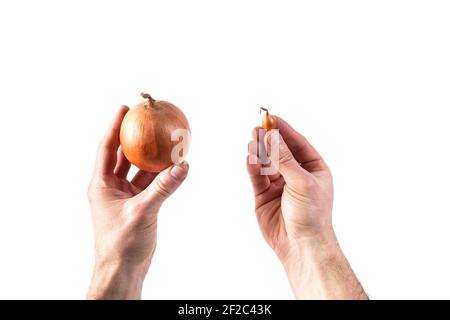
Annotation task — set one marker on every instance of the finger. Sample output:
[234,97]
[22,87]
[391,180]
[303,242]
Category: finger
[260,183]
[257,145]
[143,178]
[255,132]
[107,150]
[122,165]
[300,147]
[270,172]
[288,166]
[163,186]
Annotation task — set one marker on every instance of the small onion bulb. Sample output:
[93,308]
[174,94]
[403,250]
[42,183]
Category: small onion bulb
[268,122]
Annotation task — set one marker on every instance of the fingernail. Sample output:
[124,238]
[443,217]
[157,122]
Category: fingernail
[179,171]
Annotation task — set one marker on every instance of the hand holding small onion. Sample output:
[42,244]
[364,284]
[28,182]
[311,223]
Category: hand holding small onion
[293,206]
[124,212]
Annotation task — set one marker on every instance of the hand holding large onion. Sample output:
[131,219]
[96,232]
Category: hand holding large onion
[154,135]
[268,122]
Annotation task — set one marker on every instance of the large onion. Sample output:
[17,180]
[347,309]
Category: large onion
[154,135]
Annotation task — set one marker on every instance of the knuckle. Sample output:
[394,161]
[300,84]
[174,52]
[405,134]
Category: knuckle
[162,189]
[285,155]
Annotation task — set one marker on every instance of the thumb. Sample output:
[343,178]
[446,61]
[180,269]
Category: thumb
[164,185]
[281,156]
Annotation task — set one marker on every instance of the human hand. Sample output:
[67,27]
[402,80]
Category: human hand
[294,211]
[124,215]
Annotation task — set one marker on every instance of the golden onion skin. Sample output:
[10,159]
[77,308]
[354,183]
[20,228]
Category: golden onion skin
[268,122]
[146,134]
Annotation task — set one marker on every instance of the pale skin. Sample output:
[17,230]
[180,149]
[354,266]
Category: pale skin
[124,215]
[293,209]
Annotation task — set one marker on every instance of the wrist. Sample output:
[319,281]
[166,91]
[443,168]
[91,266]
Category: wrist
[116,281]
[305,261]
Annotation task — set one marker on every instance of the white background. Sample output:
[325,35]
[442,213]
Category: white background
[368,82]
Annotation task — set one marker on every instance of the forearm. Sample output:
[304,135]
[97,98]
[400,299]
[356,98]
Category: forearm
[318,269]
[116,282]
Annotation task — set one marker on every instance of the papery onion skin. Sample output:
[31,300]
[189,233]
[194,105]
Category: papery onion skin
[146,134]
[268,122]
